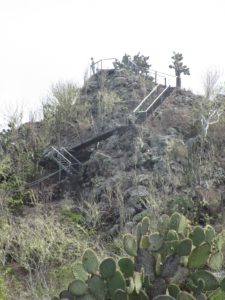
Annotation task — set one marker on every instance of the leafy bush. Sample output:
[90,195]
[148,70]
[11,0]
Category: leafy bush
[64,112]
[106,103]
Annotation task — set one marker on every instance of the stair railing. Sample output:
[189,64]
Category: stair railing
[77,162]
[101,65]
[140,104]
[61,160]
[28,185]
[162,78]
[155,101]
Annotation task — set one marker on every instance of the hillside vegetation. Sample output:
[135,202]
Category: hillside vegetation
[151,189]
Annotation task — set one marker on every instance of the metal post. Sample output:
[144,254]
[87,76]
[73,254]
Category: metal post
[60,172]
[165,81]
[156,77]
[60,169]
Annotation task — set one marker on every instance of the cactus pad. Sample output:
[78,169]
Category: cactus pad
[145,225]
[130,245]
[197,236]
[209,233]
[199,256]
[174,290]
[126,266]
[137,282]
[222,284]
[138,233]
[66,295]
[216,261]
[178,223]
[90,261]
[156,241]
[185,296]
[172,235]
[120,295]
[145,243]
[163,224]
[164,297]
[184,247]
[130,285]
[79,272]
[78,288]
[97,287]
[168,248]
[107,268]
[85,297]
[116,282]
[217,295]
[211,283]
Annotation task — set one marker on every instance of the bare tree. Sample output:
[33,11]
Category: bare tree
[211,82]
[212,117]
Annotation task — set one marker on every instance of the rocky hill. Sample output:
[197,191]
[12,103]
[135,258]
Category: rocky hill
[131,165]
[147,167]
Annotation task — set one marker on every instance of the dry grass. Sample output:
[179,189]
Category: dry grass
[37,251]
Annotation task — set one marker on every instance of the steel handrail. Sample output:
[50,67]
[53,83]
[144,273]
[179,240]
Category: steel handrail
[60,154]
[156,99]
[104,59]
[41,179]
[73,157]
[158,72]
[152,91]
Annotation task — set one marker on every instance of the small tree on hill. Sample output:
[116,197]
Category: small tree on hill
[179,68]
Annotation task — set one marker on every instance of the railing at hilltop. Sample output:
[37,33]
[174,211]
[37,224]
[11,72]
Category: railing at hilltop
[103,64]
[162,78]
[158,77]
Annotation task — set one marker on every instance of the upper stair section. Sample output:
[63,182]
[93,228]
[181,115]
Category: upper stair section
[152,101]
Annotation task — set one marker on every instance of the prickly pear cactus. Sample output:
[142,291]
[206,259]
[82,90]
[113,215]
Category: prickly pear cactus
[175,263]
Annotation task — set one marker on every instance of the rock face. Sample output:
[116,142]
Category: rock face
[129,87]
[144,168]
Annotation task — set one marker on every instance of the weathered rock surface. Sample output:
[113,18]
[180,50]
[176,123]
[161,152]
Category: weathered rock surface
[143,168]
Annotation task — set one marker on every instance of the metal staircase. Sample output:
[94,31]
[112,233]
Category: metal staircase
[139,108]
[64,159]
[70,164]
[73,159]
[149,104]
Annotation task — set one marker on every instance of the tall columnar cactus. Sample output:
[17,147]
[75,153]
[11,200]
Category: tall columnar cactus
[174,263]
[179,68]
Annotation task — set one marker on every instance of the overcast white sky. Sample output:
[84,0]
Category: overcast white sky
[44,41]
